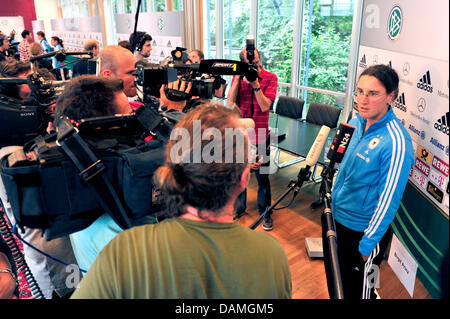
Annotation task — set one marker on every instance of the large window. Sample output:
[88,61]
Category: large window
[305,42]
[74,8]
[327,30]
[275,36]
[235,27]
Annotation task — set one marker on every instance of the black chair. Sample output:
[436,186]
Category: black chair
[290,107]
[322,114]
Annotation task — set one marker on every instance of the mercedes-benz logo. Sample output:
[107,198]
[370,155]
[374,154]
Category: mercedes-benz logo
[406,68]
[421,104]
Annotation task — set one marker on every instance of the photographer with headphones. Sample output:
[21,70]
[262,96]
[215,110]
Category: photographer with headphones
[141,45]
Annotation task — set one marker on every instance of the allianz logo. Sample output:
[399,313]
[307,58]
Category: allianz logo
[419,133]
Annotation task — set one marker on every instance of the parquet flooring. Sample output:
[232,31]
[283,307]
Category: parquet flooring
[294,224]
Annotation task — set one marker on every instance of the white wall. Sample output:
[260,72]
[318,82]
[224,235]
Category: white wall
[46,10]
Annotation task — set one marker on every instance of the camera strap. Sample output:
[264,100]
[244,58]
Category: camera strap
[91,171]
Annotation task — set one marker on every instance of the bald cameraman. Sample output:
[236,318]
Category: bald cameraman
[254,99]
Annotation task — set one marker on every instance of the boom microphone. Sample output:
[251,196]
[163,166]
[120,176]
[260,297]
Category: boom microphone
[341,140]
[223,67]
[60,55]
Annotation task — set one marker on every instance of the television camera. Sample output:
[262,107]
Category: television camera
[151,76]
[21,120]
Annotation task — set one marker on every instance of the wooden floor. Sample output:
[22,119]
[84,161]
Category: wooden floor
[297,222]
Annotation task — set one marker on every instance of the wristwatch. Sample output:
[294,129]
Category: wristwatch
[256,89]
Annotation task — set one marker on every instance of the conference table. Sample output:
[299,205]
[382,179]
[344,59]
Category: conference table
[300,136]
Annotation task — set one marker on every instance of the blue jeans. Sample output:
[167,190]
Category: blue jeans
[264,198]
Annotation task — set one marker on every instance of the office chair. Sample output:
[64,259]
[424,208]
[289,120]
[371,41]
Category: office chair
[292,108]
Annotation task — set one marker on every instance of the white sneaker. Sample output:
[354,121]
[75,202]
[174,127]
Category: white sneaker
[376,293]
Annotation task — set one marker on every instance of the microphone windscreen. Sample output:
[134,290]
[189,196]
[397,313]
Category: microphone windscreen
[223,67]
[316,148]
[340,142]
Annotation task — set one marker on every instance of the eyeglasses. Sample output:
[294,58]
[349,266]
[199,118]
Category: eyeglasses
[371,95]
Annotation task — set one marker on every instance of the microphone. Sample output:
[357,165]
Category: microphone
[313,155]
[303,175]
[14,81]
[341,140]
[222,67]
[316,148]
[61,54]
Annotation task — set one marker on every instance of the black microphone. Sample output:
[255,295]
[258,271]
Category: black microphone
[61,54]
[340,143]
[14,81]
[223,67]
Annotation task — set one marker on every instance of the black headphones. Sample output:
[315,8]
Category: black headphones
[138,39]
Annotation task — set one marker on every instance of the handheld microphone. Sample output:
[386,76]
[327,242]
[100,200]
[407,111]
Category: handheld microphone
[340,143]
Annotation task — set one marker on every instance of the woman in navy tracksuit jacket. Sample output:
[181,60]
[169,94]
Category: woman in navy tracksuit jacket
[370,182]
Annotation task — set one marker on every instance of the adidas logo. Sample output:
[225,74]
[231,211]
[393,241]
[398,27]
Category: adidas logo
[425,83]
[442,123]
[362,62]
[400,103]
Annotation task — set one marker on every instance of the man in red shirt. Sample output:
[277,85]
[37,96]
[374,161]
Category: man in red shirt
[254,100]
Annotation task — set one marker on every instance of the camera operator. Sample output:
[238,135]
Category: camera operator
[89,96]
[197,56]
[81,67]
[50,275]
[141,45]
[199,252]
[254,100]
[15,69]
[116,61]
[5,51]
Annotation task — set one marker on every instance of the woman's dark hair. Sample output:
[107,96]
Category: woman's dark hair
[88,96]
[203,184]
[59,41]
[41,34]
[386,75]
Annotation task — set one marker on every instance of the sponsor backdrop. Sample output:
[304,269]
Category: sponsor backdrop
[419,52]
[164,27]
[76,31]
